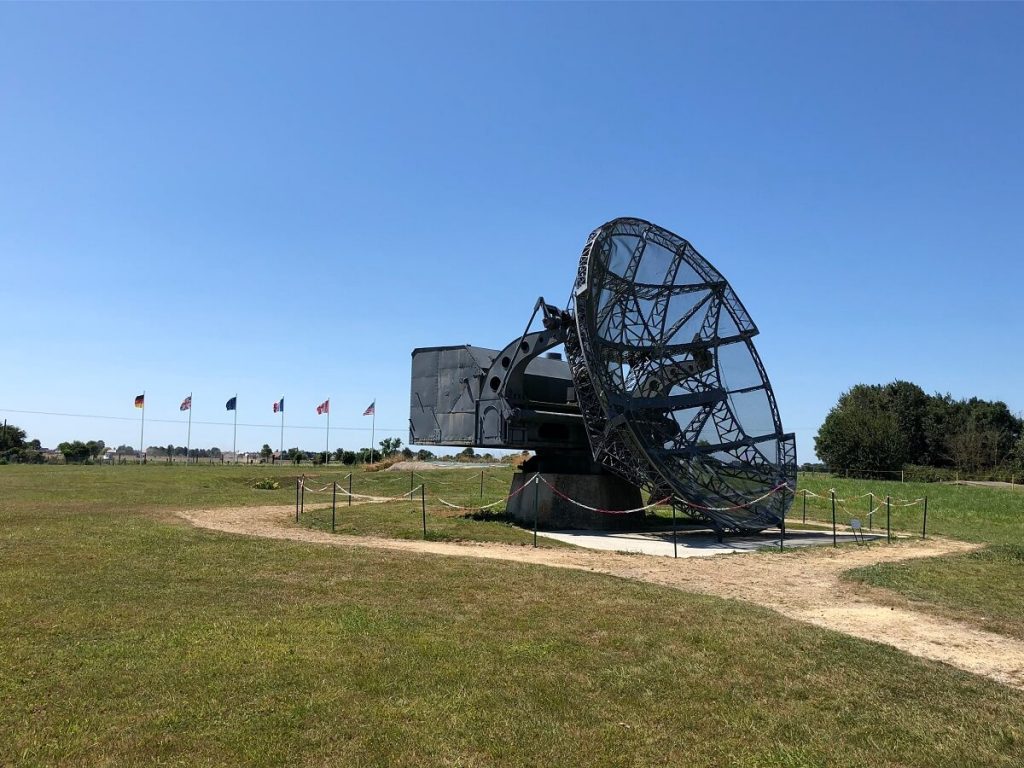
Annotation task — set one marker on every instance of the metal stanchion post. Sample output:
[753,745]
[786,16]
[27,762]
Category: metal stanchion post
[834,543]
[871,507]
[536,506]
[350,489]
[423,506]
[924,525]
[334,502]
[481,483]
[412,482]
[805,505]
[888,520]
[782,538]
[296,499]
[675,543]
[302,496]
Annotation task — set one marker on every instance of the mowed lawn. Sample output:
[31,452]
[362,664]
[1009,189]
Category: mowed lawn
[984,588]
[129,638]
[985,514]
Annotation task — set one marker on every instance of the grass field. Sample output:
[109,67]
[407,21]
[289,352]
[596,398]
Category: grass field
[128,638]
[982,588]
[989,515]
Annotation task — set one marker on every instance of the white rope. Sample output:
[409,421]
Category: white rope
[533,480]
[595,509]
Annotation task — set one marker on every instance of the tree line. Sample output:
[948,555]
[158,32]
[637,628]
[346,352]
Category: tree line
[875,427]
[16,448]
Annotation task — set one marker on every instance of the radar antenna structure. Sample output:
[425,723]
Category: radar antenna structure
[673,394]
[663,391]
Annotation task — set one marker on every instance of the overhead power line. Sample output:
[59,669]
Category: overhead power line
[183,421]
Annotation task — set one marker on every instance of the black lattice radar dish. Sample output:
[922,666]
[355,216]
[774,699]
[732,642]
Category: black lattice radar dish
[673,393]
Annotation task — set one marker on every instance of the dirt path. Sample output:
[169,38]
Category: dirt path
[803,585]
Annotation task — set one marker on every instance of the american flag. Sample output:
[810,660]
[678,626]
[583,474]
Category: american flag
[279,406]
[324,407]
[370,409]
[186,404]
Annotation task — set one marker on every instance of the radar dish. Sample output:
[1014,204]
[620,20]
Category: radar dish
[672,391]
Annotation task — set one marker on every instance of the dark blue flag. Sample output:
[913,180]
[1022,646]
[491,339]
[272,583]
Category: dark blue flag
[232,403]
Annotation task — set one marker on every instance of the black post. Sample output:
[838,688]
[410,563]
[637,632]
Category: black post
[334,503]
[888,521]
[805,505]
[924,526]
[412,482]
[536,508]
[296,499]
[871,506]
[302,497]
[782,538]
[834,544]
[350,489]
[675,543]
[423,506]
[481,483]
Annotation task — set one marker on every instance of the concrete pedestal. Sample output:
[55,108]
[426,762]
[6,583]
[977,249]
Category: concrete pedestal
[595,490]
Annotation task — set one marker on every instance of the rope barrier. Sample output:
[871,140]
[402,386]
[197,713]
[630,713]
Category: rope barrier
[892,502]
[482,507]
[596,509]
[538,478]
[748,504]
[382,499]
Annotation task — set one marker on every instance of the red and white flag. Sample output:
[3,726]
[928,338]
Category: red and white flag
[324,407]
[186,404]
[370,409]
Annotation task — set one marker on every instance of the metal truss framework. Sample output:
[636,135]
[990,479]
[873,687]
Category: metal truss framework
[673,394]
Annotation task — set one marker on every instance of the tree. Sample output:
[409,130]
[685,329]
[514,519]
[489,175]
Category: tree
[861,434]
[875,427]
[295,455]
[390,445]
[266,452]
[15,448]
[74,452]
[96,448]
[125,450]
[908,405]
[11,437]
[1017,456]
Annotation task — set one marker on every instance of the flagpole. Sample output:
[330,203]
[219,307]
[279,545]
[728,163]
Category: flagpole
[142,430]
[282,431]
[327,447]
[234,433]
[373,427]
[188,440]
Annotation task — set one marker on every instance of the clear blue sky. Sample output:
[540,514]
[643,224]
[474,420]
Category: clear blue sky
[286,200]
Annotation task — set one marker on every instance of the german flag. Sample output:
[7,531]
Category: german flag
[140,401]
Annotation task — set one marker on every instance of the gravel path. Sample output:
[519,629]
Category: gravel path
[802,585]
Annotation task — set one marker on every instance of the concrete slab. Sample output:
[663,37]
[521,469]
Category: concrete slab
[699,543]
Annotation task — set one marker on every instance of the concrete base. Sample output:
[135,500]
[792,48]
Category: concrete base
[699,543]
[595,490]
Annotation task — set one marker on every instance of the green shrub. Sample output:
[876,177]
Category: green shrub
[267,484]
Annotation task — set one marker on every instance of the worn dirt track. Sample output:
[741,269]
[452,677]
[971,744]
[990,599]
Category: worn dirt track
[802,585]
